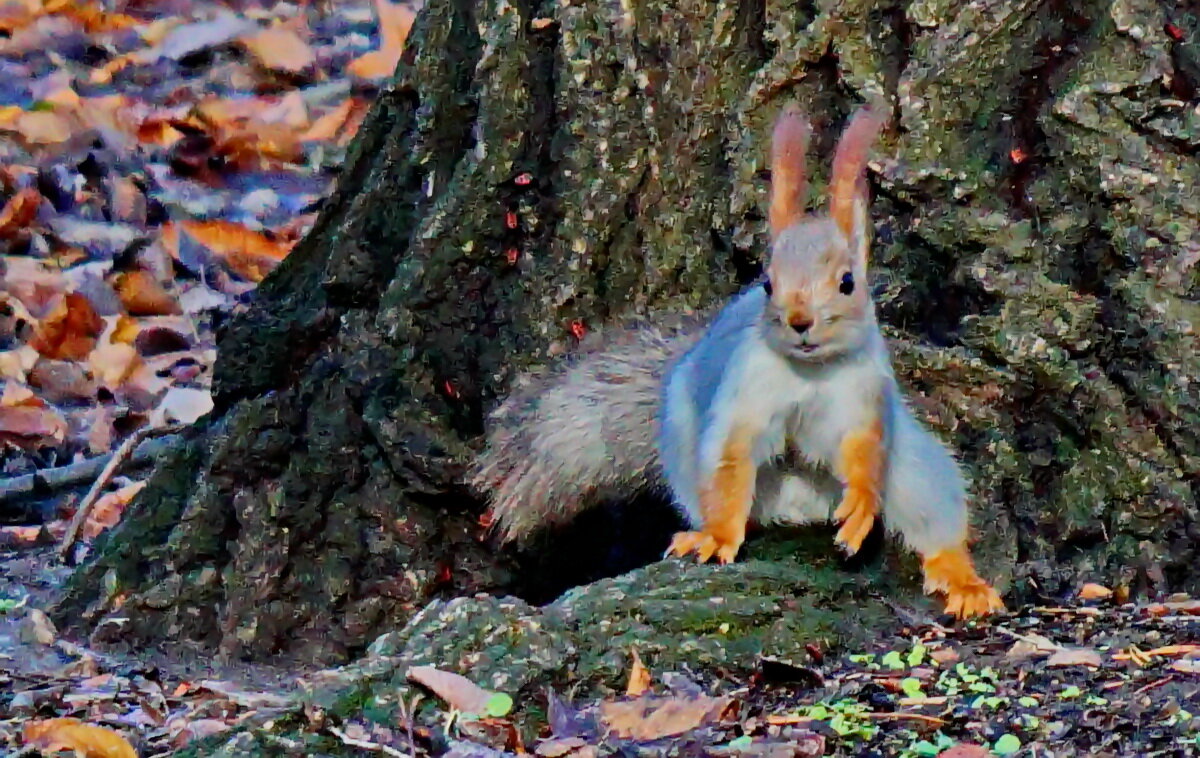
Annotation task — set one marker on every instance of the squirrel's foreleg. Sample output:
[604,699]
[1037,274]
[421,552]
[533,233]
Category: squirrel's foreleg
[860,465]
[725,502]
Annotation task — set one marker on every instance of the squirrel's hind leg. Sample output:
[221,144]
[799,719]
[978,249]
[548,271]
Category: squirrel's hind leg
[952,572]
[725,502]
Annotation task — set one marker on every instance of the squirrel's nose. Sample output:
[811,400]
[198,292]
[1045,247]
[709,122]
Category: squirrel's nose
[800,325]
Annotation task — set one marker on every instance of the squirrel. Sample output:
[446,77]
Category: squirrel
[782,407]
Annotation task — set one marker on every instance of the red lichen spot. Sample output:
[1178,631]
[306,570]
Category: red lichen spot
[524,180]
[486,519]
[1174,32]
[450,389]
[512,254]
[578,328]
[1018,155]
[444,574]
[510,219]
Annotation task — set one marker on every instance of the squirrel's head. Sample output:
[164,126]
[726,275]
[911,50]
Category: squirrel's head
[818,303]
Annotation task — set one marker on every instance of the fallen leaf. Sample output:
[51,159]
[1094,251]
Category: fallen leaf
[639,677]
[460,692]
[69,332]
[1166,651]
[106,513]
[652,718]
[185,731]
[245,698]
[246,252]
[1092,591]
[31,427]
[395,22]
[185,39]
[963,750]
[555,748]
[1187,666]
[113,363]
[19,212]
[182,405]
[43,127]
[338,121]
[142,295]
[1031,645]
[86,740]
[280,50]
[1077,656]
[39,628]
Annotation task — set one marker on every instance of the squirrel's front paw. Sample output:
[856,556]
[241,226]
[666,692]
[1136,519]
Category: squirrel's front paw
[705,546]
[857,516]
[951,572]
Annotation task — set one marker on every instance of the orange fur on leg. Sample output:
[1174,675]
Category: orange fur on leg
[952,572]
[861,465]
[724,505]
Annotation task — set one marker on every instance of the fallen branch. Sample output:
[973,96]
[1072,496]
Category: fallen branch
[54,479]
[106,474]
[374,747]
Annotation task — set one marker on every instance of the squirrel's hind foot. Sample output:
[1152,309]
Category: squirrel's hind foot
[705,546]
[952,573]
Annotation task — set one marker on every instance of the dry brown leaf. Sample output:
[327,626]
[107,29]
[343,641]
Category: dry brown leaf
[962,750]
[30,426]
[1175,608]
[142,295]
[125,330]
[1075,656]
[1031,645]
[19,536]
[43,127]
[652,718]
[395,21]
[1187,666]
[556,748]
[329,125]
[112,364]
[248,253]
[639,677]
[280,49]
[86,740]
[1093,591]
[38,627]
[182,405]
[19,212]
[1166,651]
[458,691]
[16,394]
[186,731]
[106,513]
[69,332]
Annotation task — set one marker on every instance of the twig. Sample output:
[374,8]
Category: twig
[913,716]
[1156,683]
[62,477]
[110,469]
[375,747]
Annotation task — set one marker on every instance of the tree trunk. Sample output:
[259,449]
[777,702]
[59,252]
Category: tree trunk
[539,169]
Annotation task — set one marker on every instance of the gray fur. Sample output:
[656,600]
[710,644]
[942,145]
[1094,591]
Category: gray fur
[581,432]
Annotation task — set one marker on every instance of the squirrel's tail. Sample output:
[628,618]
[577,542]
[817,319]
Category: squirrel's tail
[583,432]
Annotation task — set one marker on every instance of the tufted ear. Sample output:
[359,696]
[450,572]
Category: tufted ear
[789,143]
[848,181]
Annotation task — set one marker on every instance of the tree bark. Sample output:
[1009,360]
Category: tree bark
[539,169]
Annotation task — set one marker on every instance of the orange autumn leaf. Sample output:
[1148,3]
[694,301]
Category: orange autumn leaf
[639,677]
[106,513]
[19,212]
[126,330]
[142,295]
[248,253]
[342,122]
[395,21]
[31,426]
[280,49]
[114,363]
[88,741]
[43,127]
[69,332]
[16,394]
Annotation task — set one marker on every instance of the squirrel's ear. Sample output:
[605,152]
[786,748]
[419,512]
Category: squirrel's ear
[789,143]
[848,181]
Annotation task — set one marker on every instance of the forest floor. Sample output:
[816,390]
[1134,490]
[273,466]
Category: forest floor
[1095,678]
[155,164]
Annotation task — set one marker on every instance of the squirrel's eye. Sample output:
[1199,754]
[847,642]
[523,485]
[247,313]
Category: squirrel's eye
[767,287]
[847,285]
